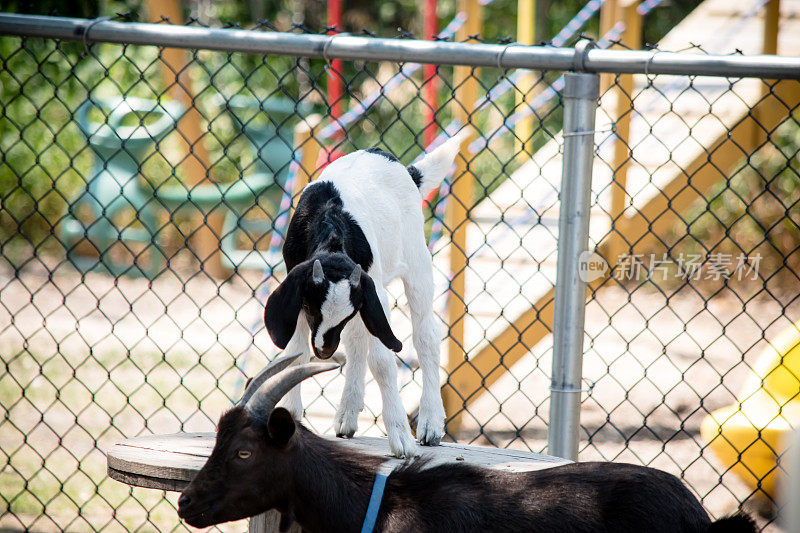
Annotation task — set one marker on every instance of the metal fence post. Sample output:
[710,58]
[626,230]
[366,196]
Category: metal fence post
[580,106]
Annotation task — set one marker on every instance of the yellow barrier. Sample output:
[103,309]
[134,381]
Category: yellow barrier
[749,436]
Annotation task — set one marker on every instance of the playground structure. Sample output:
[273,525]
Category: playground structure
[120,152]
[670,137]
[752,435]
[113,186]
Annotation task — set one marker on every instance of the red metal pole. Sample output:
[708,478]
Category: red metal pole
[334,76]
[431,28]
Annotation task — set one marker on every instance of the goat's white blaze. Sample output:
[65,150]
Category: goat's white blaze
[335,308]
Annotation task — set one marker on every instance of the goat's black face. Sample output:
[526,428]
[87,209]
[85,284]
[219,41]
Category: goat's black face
[247,473]
[329,293]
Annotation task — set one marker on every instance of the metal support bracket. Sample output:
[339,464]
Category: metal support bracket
[582,48]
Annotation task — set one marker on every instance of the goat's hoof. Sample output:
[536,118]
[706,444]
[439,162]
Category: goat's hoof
[430,432]
[402,446]
[346,423]
[430,441]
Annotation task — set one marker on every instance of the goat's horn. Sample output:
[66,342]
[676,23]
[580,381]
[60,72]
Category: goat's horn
[355,276]
[267,397]
[317,275]
[273,368]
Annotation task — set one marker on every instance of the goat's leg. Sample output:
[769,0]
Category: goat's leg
[427,340]
[293,401]
[383,365]
[357,341]
[430,422]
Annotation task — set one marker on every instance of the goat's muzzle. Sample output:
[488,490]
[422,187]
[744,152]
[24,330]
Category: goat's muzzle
[191,514]
[324,353]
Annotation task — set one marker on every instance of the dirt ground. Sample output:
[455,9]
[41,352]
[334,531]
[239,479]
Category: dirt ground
[91,359]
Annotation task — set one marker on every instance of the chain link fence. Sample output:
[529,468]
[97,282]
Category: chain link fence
[144,194]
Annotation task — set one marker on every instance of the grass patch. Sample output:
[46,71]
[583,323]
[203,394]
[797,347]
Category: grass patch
[64,409]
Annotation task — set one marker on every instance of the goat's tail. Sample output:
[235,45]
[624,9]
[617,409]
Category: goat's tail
[738,523]
[434,166]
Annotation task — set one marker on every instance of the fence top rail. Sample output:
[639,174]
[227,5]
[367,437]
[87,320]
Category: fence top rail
[400,50]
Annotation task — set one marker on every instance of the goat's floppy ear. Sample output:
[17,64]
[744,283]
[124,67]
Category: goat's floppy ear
[283,307]
[281,426]
[373,316]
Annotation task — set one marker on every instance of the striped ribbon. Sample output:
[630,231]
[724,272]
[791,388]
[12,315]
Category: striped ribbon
[577,22]
[647,6]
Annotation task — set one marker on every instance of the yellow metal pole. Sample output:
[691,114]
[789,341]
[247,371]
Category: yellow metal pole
[526,34]
[177,78]
[310,147]
[609,15]
[460,201]
[632,38]
[772,15]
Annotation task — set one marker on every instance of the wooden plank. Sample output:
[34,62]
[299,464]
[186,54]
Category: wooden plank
[197,444]
[526,34]
[155,463]
[610,13]
[310,147]
[447,452]
[472,377]
[269,522]
[169,462]
[772,15]
[139,480]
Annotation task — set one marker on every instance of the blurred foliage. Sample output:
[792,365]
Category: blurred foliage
[71,8]
[40,145]
[755,213]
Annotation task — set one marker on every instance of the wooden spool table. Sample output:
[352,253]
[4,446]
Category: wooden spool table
[170,462]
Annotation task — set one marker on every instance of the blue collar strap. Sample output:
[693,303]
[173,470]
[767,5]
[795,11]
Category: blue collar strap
[377,495]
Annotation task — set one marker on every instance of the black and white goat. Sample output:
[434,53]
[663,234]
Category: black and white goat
[263,460]
[356,228]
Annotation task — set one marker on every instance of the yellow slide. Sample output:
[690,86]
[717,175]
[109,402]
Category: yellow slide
[749,436]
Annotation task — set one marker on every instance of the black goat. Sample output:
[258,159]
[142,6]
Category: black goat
[259,464]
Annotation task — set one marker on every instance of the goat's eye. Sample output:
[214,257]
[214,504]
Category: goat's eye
[244,454]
